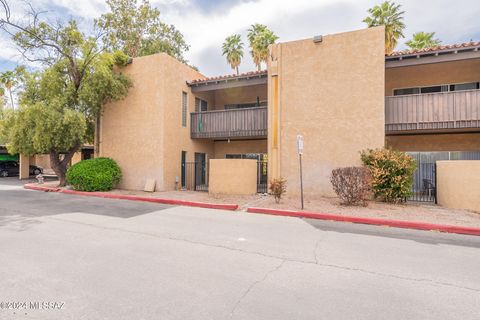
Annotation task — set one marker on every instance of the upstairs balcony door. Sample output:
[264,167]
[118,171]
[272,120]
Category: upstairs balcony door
[200,105]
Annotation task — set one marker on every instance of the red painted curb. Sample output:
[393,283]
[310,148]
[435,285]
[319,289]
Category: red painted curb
[370,221]
[231,207]
[39,188]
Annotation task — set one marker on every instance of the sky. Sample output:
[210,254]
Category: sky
[206,23]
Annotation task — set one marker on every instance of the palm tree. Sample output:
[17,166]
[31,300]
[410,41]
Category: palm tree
[387,14]
[233,49]
[422,40]
[260,37]
[8,80]
[253,32]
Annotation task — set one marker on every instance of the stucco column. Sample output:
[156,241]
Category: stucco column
[273,114]
[77,157]
[24,170]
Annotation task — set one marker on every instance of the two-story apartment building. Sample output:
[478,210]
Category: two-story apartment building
[340,92]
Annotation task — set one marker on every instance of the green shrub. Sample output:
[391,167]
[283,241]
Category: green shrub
[391,172]
[351,184]
[99,174]
[278,187]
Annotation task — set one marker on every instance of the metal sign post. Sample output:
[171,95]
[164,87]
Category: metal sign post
[300,153]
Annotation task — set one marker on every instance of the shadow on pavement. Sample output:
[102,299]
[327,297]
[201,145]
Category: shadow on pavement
[18,204]
[426,237]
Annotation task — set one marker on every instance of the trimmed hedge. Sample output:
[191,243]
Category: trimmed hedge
[99,174]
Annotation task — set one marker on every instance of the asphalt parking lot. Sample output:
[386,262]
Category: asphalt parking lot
[94,258]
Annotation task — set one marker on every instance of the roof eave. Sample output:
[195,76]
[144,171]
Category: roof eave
[445,55]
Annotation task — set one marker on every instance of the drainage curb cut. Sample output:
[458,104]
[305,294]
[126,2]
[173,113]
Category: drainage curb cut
[230,207]
[370,221]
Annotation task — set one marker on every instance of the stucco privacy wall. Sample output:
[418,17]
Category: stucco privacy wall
[233,176]
[432,74]
[239,147]
[144,132]
[435,142]
[332,93]
[458,184]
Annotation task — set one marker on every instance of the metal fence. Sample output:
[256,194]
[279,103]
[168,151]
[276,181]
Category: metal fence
[425,179]
[195,176]
[262,173]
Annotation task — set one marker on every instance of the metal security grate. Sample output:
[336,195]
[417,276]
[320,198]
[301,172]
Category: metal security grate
[425,179]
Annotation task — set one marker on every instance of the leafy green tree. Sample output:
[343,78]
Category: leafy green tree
[259,38]
[60,105]
[233,49]
[136,29]
[387,14]
[46,129]
[422,40]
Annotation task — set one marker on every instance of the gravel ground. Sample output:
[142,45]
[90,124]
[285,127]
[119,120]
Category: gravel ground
[410,211]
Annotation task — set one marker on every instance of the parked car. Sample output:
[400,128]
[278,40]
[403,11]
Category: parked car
[12,168]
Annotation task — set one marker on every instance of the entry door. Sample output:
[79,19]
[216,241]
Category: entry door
[200,170]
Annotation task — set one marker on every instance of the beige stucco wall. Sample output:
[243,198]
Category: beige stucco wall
[144,132]
[77,157]
[177,138]
[332,93]
[435,142]
[458,184]
[41,160]
[239,147]
[432,74]
[232,176]
[24,163]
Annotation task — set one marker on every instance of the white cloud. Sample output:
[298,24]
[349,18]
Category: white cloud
[205,24]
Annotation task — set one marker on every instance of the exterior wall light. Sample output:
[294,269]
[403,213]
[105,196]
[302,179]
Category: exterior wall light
[317,39]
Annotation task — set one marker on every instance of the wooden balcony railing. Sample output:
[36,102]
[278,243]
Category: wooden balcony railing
[444,111]
[224,124]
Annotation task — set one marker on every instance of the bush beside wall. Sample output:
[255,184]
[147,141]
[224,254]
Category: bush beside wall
[391,172]
[99,174]
[351,184]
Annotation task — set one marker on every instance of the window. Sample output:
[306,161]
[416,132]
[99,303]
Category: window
[200,105]
[433,89]
[464,86]
[254,156]
[401,92]
[440,88]
[184,109]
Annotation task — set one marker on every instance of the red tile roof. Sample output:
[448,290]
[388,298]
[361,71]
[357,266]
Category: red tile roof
[466,45]
[231,76]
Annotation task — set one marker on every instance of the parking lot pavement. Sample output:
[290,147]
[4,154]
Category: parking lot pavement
[95,258]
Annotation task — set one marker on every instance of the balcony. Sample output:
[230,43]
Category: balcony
[226,124]
[433,112]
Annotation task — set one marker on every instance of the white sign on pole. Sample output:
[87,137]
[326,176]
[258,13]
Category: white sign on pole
[300,144]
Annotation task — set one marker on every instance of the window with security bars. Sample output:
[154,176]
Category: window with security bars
[184,109]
